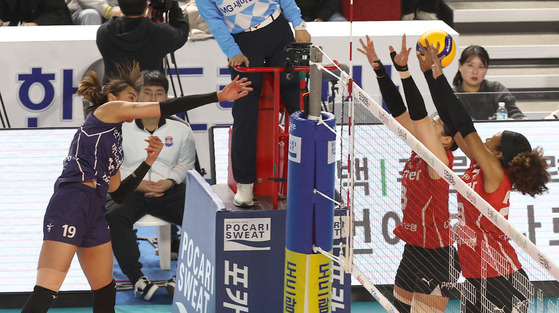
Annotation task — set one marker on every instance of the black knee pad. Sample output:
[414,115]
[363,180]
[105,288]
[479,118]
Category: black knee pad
[104,299]
[40,300]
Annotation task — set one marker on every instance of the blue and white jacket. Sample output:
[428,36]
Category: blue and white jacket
[226,17]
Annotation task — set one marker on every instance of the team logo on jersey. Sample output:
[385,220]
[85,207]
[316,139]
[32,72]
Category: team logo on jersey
[49,227]
[169,141]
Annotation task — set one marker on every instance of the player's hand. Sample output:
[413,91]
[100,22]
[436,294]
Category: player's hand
[236,89]
[425,60]
[302,36]
[155,145]
[435,60]
[238,60]
[400,59]
[369,51]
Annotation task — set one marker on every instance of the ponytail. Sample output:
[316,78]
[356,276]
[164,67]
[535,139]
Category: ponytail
[91,90]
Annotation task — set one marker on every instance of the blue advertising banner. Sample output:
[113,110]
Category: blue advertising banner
[232,260]
[196,266]
[250,253]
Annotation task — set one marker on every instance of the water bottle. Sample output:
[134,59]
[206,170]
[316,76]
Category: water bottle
[502,113]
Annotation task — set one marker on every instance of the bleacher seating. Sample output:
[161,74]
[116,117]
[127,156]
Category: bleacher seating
[522,39]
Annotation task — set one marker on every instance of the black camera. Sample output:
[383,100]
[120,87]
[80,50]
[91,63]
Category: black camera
[300,52]
[158,8]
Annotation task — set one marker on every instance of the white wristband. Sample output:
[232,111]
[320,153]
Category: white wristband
[302,26]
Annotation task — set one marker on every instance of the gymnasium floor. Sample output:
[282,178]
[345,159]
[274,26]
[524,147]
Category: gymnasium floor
[357,307]
[161,301]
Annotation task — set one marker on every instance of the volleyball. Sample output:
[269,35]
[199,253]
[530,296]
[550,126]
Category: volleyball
[447,49]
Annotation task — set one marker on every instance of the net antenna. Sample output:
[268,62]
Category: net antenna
[351,151]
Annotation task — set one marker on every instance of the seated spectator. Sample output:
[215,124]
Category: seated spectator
[34,12]
[135,37]
[480,96]
[419,10]
[199,29]
[162,191]
[92,12]
[320,10]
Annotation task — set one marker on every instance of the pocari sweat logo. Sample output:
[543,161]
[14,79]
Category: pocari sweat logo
[294,148]
[247,234]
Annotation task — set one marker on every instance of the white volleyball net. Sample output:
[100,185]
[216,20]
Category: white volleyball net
[373,150]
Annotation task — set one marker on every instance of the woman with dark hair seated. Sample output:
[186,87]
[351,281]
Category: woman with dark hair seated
[480,96]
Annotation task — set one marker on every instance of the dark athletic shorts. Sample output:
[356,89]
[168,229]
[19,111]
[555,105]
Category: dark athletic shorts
[502,293]
[428,271]
[76,215]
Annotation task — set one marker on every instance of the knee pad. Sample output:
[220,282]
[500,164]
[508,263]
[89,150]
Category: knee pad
[40,300]
[104,299]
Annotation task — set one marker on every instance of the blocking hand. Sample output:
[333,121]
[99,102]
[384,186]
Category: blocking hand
[400,59]
[369,51]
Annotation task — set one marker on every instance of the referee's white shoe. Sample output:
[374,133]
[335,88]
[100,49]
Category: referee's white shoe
[243,197]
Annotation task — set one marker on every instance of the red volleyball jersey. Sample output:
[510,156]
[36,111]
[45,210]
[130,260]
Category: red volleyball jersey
[484,250]
[426,221]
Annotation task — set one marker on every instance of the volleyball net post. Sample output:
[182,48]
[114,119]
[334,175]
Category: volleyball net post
[310,210]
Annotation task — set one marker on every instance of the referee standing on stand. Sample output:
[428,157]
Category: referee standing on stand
[254,33]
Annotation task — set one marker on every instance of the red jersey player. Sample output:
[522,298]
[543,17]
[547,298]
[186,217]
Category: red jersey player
[505,162]
[428,269]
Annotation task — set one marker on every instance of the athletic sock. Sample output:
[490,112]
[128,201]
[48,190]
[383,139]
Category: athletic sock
[104,299]
[40,300]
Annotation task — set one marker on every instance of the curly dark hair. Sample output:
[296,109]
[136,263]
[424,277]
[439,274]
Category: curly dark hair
[528,172]
[91,90]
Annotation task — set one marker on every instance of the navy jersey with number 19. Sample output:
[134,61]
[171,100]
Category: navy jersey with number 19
[95,153]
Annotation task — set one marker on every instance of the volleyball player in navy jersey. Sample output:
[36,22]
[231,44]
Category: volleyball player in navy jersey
[495,280]
[429,267]
[75,221]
